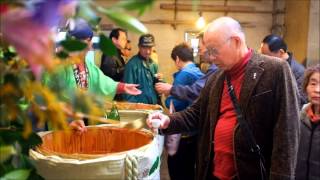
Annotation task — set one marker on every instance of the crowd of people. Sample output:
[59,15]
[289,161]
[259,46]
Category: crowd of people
[252,115]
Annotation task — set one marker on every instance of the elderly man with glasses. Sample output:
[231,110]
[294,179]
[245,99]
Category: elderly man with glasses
[247,115]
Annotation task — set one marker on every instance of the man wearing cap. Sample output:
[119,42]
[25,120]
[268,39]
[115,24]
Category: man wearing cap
[143,71]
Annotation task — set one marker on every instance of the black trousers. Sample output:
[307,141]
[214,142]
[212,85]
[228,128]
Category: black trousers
[182,165]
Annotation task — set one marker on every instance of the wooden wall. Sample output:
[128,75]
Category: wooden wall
[256,25]
[296,27]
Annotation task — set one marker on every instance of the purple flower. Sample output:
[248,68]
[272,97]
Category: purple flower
[48,12]
[29,32]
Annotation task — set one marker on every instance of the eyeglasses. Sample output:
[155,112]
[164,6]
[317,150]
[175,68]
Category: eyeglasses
[213,51]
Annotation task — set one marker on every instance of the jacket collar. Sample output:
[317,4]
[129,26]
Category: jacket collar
[289,60]
[304,117]
[251,78]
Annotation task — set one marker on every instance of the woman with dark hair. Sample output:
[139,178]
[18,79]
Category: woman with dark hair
[181,164]
[308,165]
[273,45]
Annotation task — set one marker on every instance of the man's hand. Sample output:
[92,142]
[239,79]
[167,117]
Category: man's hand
[159,76]
[78,125]
[157,116]
[163,88]
[132,89]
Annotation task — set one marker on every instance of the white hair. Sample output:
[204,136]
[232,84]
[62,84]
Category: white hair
[228,26]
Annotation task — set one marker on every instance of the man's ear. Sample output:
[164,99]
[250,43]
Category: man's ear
[237,40]
[282,51]
[114,40]
[177,59]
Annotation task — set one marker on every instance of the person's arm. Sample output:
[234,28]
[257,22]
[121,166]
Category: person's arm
[128,89]
[182,78]
[101,84]
[286,129]
[188,92]
[192,92]
[186,120]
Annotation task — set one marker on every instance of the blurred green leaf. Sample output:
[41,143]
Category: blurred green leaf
[5,152]
[85,11]
[34,176]
[80,103]
[11,49]
[195,5]
[7,55]
[73,45]
[20,174]
[124,20]
[32,141]
[12,79]
[106,46]
[8,137]
[139,5]
[23,103]
[62,54]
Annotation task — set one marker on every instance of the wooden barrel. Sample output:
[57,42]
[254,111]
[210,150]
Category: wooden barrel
[103,152]
[96,142]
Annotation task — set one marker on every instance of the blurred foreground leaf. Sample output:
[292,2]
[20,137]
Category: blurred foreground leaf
[73,45]
[6,152]
[107,46]
[140,5]
[62,55]
[124,20]
[86,12]
[20,174]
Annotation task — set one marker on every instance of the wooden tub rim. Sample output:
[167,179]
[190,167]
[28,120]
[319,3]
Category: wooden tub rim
[91,156]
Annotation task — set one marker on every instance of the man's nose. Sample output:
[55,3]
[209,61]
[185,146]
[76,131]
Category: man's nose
[317,88]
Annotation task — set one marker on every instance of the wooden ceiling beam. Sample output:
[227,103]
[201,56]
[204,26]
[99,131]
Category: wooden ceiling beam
[185,22]
[214,8]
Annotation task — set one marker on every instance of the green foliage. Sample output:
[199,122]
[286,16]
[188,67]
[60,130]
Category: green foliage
[86,12]
[133,5]
[124,20]
[62,54]
[5,152]
[20,174]
[71,45]
[107,46]
[8,53]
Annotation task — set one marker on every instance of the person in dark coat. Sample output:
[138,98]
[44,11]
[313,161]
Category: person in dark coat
[113,67]
[274,45]
[268,99]
[308,166]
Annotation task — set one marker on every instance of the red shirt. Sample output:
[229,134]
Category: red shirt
[223,162]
